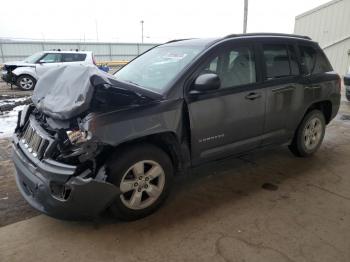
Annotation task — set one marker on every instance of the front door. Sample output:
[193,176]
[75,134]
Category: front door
[48,61]
[228,120]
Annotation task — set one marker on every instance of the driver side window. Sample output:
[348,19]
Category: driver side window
[51,58]
[235,67]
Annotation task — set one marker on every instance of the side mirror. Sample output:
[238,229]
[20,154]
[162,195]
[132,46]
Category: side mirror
[347,80]
[206,82]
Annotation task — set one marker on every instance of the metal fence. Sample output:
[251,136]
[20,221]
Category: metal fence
[18,50]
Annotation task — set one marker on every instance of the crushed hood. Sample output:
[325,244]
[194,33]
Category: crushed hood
[67,91]
[19,63]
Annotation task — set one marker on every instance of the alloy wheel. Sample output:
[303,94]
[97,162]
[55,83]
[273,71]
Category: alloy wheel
[142,184]
[312,133]
[26,83]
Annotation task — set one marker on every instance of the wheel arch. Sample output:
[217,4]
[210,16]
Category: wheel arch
[20,71]
[169,143]
[324,106]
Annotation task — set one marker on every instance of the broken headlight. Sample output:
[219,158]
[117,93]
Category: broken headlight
[78,136]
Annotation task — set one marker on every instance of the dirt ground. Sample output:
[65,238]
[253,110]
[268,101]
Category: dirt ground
[266,206]
[6,90]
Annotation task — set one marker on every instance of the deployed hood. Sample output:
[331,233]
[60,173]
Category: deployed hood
[67,91]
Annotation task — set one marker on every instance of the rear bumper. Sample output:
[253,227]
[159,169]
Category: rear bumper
[83,197]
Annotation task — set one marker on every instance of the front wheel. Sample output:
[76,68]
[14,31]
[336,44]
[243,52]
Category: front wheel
[309,135]
[26,82]
[143,174]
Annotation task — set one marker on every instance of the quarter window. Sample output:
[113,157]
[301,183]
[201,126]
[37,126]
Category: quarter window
[73,57]
[314,61]
[234,67]
[280,61]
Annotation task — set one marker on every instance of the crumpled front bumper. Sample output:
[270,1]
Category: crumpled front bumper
[87,197]
[8,77]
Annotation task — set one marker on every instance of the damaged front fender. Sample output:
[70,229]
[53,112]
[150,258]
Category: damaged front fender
[119,126]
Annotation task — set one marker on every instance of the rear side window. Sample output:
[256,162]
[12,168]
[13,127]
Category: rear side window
[314,60]
[72,57]
[280,61]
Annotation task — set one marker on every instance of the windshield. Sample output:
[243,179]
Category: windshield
[33,58]
[155,69]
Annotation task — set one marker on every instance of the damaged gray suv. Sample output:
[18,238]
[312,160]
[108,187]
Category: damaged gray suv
[92,142]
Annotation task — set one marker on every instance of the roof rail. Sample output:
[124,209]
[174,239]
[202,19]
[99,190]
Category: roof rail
[178,40]
[268,34]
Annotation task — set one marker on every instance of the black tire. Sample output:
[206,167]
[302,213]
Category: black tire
[31,82]
[298,146]
[121,162]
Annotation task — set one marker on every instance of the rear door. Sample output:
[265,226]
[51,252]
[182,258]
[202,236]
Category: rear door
[228,120]
[283,90]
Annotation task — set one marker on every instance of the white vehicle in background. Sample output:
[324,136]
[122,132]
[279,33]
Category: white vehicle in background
[26,73]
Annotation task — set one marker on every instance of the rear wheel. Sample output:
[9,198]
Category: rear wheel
[309,135]
[26,82]
[143,174]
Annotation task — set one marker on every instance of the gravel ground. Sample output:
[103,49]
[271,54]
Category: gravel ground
[8,92]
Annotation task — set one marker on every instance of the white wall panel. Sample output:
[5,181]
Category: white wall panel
[10,51]
[329,25]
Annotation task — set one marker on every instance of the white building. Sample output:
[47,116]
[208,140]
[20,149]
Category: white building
[329,24]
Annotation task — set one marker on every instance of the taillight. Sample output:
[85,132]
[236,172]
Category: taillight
[94,60]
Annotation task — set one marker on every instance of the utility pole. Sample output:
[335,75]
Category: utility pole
[141,30]
[96,27]
[245,18]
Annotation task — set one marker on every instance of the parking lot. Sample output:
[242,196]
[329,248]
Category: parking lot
[266,206]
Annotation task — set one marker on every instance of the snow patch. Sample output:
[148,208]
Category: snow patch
[8,119]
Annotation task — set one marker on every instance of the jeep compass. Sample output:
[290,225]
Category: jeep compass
[91,141]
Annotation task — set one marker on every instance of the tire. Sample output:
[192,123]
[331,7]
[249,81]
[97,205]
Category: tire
[309,135]
[26,82]
[125,172]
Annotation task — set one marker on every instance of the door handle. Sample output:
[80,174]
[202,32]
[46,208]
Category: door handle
[253,96]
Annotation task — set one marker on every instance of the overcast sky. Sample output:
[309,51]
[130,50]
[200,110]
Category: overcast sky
[119,21]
